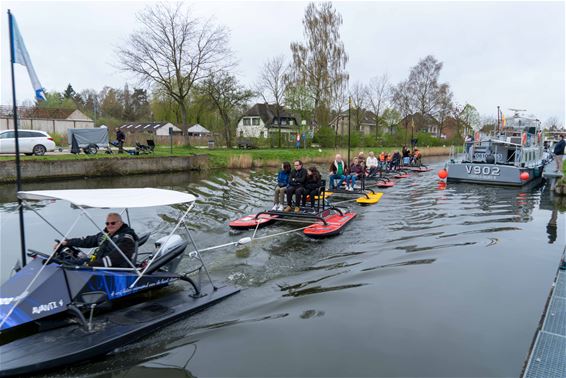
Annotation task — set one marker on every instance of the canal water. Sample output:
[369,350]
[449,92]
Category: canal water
[434,280]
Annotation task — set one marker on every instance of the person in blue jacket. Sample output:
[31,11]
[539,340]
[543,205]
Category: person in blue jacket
[280,189]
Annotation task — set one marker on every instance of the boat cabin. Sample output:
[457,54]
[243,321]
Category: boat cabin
[518,142]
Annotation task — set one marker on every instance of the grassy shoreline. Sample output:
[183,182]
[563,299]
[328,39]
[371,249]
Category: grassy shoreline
[232,158]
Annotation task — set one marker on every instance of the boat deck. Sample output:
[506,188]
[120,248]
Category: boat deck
[547,357]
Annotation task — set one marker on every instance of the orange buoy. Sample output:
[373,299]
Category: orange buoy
[524,176]
[443,173]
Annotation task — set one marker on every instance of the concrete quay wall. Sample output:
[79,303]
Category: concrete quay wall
[35,170]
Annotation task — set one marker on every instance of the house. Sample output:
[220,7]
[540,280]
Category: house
[339,122]
[261,121]
[157,128]
[198,131]
[418,123]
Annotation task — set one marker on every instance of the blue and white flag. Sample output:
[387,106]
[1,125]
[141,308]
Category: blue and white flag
[21,56]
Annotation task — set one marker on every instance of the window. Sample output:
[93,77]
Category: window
[241,133]
[255,121]
[246,121]
[9,134]
[262,134]
[291,122]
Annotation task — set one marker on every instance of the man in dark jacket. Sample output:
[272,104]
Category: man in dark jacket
[120,138]
[559,153]
[106,254]
[296,185]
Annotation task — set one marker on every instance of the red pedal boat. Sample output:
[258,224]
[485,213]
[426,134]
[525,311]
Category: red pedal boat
[252,221]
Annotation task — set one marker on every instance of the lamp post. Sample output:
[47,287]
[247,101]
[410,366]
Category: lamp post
[349,126]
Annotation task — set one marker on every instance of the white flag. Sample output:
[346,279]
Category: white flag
[21,56]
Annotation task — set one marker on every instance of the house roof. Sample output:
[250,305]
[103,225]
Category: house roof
[198,129]
[267,113]
[368,117]
[136,127]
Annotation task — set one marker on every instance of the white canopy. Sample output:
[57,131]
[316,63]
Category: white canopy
[112,198]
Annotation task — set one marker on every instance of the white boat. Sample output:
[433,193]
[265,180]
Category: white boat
[512,155]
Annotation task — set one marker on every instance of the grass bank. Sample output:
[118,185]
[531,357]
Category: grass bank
[233,158]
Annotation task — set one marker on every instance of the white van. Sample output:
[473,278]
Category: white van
[31,142]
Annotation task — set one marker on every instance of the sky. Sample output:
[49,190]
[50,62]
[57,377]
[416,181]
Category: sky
[507,53]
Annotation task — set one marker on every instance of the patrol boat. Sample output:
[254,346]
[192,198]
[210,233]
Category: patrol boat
[512,155]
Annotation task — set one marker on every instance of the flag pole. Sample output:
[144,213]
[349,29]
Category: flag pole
[15,111]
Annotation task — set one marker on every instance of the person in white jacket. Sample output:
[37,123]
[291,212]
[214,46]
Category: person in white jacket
[371,164]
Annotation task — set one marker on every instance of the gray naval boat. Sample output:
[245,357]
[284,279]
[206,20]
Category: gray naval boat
[512,155]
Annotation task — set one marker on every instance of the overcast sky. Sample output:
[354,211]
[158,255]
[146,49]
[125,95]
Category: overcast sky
[509,53]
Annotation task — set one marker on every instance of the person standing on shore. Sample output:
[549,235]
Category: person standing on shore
[121,138]
[559,153]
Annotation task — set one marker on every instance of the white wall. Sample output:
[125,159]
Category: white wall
[164,130]
[251,131]
[57,126]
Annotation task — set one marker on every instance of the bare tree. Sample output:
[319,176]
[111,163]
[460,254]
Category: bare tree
[422,89]
[552,123]
[339,103]
[359,98]
[174,51]
[378,95]
[445,106]
[227,95]
[320,62]
[272,85]
[402,100]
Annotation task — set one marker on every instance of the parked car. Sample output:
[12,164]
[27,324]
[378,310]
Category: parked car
[31,142]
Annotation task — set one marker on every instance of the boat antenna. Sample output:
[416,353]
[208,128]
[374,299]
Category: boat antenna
[517,110]
[15,113]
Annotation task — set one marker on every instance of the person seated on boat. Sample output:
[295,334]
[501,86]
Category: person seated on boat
[312,185]
[406,156]
[281,187]
[559,153]
[355,172]
[106,254]
[389,160]
[296,186]
[416,157]
[395,160]
[371,164]
[362,160]
[382,161]
[336,172]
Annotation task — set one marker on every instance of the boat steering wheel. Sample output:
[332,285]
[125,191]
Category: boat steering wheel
[68,255]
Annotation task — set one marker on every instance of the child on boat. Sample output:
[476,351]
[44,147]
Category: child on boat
[280,189]
[312,185]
